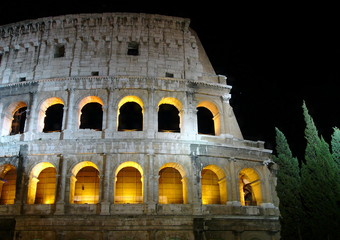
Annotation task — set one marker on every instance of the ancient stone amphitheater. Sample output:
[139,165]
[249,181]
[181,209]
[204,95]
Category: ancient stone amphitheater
[116,126]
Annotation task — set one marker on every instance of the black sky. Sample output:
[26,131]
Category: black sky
[275,55]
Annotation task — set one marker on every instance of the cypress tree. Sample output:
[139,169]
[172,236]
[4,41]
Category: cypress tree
[336,146]
[288,189]
[319,186]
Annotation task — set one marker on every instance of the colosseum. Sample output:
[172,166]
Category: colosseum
[116,126]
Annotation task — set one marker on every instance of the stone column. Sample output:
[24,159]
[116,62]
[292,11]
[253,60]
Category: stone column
[234,199]
[150,184]
[151,122]
[106,186]
[110,119]
[61,186]
[31,116]
[69,112]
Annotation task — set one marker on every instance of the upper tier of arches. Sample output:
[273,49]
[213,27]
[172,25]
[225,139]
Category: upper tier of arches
[124,113]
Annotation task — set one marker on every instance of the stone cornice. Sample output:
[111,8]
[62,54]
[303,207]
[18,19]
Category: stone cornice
[189,83]
[93,20]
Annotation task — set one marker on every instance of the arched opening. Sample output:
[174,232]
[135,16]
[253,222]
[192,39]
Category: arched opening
[250,187]
[205,121]
[129,186]
[18,122]
[8,179]
[130,117]
[170,186]
[42,184]
[208,118]
[91,116]
[14,118]
[210,187]
[54,118]
[86,186]
[214,185]
[168,118]
[46,186]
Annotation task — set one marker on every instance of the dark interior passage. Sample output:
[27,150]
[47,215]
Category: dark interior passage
[91,116]
[205,121]
[168,118]
[130,117]
[54,118]
[18,122]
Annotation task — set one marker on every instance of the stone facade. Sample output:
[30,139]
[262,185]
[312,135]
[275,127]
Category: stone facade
[111,60]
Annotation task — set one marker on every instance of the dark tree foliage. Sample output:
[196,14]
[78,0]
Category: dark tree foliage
[336,146]
[288,189]
[319,186]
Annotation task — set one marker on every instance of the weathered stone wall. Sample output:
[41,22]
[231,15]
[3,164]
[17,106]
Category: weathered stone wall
[99,43]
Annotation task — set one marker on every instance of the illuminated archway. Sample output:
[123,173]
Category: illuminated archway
[91,113]
[214,189]
[169,115]
[172,184]
[50,116]
[8,176]
[85,183]
[130,114]
[250,187]
[208,112]
[129,183]
[14,118]
[44,192]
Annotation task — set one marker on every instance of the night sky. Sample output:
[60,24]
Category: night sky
[275,55]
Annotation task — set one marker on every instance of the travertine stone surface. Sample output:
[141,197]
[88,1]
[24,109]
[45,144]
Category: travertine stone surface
[94,66]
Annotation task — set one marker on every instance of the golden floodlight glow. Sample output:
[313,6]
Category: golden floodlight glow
[86,100]
[172,101]
[216,115]
[210,187]
[42,111]
[129,186]
[84,183]
[8,177]
[250,187]
[34,179]
[46,186]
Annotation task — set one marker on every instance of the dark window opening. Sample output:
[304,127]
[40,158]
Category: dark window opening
[22,79]
[54,118]
[130,117]
[205,121]
[91,116]
[168,118]
[169,75]
[0,59]
[18,123]
[133,49]
[94,73]
[59,51]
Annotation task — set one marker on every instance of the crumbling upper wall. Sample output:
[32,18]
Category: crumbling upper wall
[98,44]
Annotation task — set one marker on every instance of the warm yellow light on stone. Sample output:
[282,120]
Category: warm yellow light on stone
[84,183]
[210,187]
[34,180]
[170,186]
[42,111]
[172,101]
[86,100]
[250,187]
[216,115]
[129,186]
[8,177]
